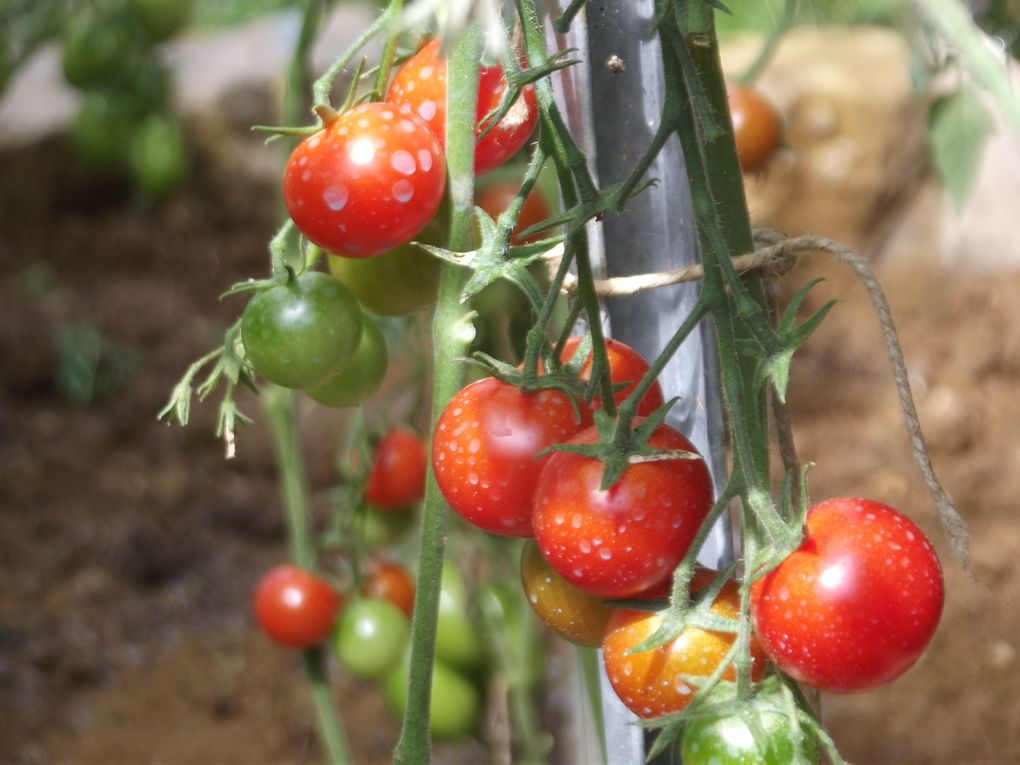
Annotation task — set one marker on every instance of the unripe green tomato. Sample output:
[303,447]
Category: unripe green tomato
[383,528]
[454,707]
[397,283]
[371,637]
[302,333]
[162,19]
[458,641]
[96,45]
[158,156]
[103,129]
[362,375]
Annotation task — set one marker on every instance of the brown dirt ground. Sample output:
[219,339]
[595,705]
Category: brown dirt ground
[128,549]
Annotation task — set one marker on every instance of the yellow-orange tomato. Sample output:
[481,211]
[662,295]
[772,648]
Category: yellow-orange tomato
[570,613]
[652,683]
[390,581]
[757,127]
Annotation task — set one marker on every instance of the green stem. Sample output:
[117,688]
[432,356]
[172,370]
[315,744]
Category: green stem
[451,334]
[389,53]
[295,92]
[278,404]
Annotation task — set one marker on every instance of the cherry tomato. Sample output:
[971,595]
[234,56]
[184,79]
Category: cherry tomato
[392,582]
[158,156]
[625,366]
[382,528]
[361,376]
[625,540]
[496,197]
[420,86]
[454,706]
[728,740]
[653,683]
[397,477]
[397,283]
[294,607]
[458,642]
[371,637]
[484,447]
[302,333]
[96,43]
[857,603]
[162,19]
[103,129]
[368,182]
[757,127]
[570,613]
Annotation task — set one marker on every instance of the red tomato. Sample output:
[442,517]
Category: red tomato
[653,683]
[368,182]
[757,127]
[484,447]
[496,197]
[295,607]
[397,477]
[625,365]
[420,86]
[392,582]
[856,604]
[625,540]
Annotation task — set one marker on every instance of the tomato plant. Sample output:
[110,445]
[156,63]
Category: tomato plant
[455,705]
[94,46]
[494,198]
[657,682]
[757,127]
[361,376]
[301,333]
[371,637]
[295,607]
[484,448]
[621,541]
[420,87]
[390,581]
[729,739]
[458,642]
[162,19]
[572,614]
[856,605]
[158,155]
[396,479]
[368,182]
[625,366]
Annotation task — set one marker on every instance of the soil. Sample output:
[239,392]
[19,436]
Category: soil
[128,549]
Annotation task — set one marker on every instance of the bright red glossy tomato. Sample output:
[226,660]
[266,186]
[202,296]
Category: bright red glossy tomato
[368,182]
[654,683]
[484,447]
[757,127]
[397,478]
[622,541]
[295,607]
[420,86]
[390,581]
[625,366]
[857,603]
[496,197]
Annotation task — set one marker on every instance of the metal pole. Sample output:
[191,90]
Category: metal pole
[613,103]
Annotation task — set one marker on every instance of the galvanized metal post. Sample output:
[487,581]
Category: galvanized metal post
[613,103]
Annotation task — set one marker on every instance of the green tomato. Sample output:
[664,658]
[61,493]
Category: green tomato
[371,637]
[302,333]
[362,375]
[162,19]
[383,528]
[458,642]
[729,740]
[96,45]
[396,283]
[158,156]
[103,129]
[455,704]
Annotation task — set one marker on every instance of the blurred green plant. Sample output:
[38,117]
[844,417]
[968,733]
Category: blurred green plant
[90,364]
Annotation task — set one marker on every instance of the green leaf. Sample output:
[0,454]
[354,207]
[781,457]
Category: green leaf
[958,126]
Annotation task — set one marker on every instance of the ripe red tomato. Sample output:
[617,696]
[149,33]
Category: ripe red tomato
[295,607]
[625,365]
[570,613]
[397,477]
[496,197]
[484,447]
[420,86]
[857,603]
[390,581]
[653,683]
[757,127]
[625,540]
[366,183]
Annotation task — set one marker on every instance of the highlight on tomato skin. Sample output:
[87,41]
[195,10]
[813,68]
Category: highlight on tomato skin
[855,606]
[294,607]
